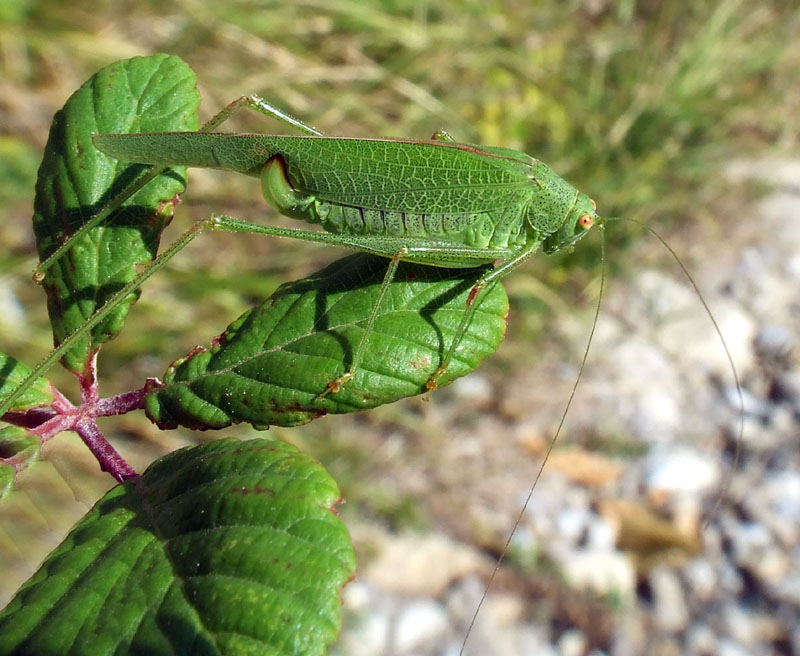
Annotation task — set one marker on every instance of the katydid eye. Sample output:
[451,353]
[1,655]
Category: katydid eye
[586,221]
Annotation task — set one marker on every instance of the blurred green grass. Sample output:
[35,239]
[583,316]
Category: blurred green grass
[640,104]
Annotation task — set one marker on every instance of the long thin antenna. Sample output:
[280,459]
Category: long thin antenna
[740,437]
[551,445]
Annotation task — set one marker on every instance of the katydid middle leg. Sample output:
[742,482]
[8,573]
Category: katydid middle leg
[257,104]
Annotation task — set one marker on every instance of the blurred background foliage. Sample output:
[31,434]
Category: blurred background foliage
[641,104]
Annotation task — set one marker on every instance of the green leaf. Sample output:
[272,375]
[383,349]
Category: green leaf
[271,364]
[225,548]
[12,373]
[76,180]
[18,449]
[18,446]
[7,477]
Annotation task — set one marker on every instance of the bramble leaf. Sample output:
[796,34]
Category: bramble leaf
[7,476]
[271,364]
[12,373]
[225,548]
[18,449]
[76,180]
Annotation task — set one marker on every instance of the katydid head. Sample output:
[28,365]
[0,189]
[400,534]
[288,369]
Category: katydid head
[579,220]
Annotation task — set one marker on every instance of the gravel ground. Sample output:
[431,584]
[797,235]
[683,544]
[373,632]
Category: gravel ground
[646,533]
[628,546]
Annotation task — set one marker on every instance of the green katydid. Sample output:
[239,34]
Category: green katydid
[435,202]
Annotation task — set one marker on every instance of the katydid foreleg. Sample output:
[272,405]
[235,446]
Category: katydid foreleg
[472,303]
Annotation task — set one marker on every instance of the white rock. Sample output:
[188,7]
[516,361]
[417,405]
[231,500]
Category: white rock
[356,596]
[778,529]
[368,633]
[702,578]
[474,387]
[572,643]
[750,541]
[599,571]
[728,647]
[671,613]
[681,470]
[775,340]
[740,627]
[419,622]
[417,565]
[602,534]
[783,491]
[796,640]
[788,590]
[701,640]
[572,523]
[790,383]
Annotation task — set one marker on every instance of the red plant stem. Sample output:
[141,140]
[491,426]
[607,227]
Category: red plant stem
[121,403]
[61,415]
[108,457]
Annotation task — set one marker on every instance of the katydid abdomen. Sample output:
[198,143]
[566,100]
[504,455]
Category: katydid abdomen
[481,230]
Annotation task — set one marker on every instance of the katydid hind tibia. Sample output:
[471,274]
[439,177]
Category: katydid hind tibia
[435,202]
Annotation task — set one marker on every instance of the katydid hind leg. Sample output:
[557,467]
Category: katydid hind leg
[258,104]
[376,246]
[385,247]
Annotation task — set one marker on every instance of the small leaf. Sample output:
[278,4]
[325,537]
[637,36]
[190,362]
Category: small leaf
[271,364]
[18,449]
[7,477]
[12,373]
[224,548]
[76,180]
